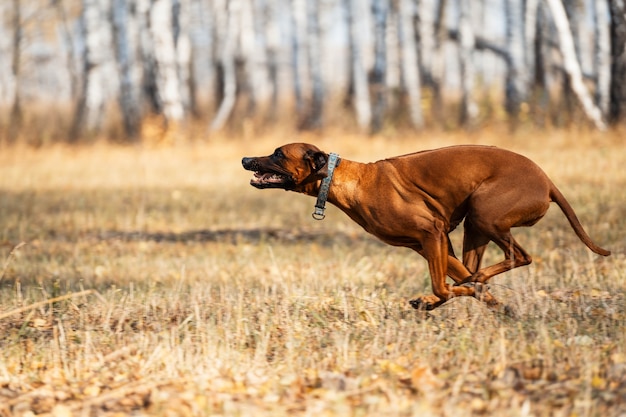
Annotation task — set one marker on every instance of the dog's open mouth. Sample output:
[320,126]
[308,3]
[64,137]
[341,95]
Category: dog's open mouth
[269,180]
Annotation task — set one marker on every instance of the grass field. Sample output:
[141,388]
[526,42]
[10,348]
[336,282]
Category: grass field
[155,281]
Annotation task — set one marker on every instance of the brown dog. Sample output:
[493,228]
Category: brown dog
[416,200]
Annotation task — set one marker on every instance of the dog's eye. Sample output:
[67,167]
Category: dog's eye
[278,154]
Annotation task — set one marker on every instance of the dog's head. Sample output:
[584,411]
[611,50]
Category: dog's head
[291,167]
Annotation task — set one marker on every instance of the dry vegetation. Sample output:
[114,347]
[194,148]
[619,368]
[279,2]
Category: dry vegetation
[156,281]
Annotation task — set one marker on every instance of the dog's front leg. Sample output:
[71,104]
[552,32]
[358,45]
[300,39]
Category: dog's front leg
[435,250]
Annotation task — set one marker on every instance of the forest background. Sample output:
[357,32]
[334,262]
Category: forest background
[140,274]
[76,70]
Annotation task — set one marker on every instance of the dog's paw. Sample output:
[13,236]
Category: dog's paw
[426,302]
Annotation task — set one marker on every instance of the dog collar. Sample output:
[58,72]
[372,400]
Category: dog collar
[322,196]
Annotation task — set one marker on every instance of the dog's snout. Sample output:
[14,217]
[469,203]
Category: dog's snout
[247,162]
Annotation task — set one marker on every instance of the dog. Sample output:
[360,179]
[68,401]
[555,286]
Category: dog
[416,200]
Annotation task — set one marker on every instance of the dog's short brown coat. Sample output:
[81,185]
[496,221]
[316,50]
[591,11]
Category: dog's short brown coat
[416,200]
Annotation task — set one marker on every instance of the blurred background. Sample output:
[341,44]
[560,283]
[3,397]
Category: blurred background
[133,70]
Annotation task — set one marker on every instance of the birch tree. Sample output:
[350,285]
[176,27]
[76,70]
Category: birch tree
[410,65]
[602,54]
[163,36]
[617,109]
[469,109]
[15,116]
[358,76]
[127,96]
[571,65]
[149,84]
[516,85]
[228,28]
[181,10]
[298,53]
[254,48]
[67,36]
[531,25]
[275,9]
[438,66]
[316,106]
[89,113]
[380,9]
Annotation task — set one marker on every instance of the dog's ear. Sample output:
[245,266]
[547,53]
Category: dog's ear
[318,161]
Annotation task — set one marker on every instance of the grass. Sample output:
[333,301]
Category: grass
[156,281]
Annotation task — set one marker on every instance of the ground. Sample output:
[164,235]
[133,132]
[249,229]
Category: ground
[153,280]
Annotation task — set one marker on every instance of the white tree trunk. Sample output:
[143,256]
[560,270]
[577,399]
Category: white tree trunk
[15,117]
[127,96]
[356,28]
[602,52]
[410,67]
[298,52]
[228,41]
[149,87]
[96,43]
[572,67]
[184,50]
[516,78]
[469,109]
[531,11]
[378,78]
[254,48]
[169,88]
[314,118]
[438,65]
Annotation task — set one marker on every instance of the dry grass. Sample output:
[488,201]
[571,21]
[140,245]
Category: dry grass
[155,281]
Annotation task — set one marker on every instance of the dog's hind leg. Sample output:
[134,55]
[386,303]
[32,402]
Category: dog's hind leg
[515,256]
[461,275]
[474,246]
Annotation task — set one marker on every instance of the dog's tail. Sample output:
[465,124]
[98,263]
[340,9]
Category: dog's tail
[559,199]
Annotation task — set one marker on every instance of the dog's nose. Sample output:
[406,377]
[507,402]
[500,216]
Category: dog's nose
[247,162]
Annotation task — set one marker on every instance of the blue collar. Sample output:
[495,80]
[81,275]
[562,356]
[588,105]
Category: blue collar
[322,196]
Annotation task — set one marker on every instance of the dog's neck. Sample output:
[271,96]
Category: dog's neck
[343,188]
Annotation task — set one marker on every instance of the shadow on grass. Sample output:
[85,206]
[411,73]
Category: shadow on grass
[238,236]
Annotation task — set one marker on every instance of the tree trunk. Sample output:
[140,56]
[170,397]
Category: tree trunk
[15,117]
[378,77]
[572,67]
[254,49]
[227,62]
[573,12]
[316,106]
[127,97]
[438,67]
[67,37]
[162,22]
[298,59]
[183,47]
[531,15]
[617,108]
[359,98]
[149,85]
[410,64]
[516,85]
[602,54]
[469,110]
[89,113]
[276,9]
